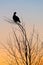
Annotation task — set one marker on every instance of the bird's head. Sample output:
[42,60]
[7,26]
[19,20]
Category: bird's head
[14,13]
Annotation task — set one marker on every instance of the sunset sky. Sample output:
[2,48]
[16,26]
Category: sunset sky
[31,11]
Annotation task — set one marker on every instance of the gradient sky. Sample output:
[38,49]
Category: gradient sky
[31,11]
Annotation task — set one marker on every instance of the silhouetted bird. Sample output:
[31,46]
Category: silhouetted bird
[16,18]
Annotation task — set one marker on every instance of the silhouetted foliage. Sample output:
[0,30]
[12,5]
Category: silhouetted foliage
[28,51]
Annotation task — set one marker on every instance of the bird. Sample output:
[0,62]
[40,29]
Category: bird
[16,18]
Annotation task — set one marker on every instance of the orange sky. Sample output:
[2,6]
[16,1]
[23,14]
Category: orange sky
[30,11]
[4,34]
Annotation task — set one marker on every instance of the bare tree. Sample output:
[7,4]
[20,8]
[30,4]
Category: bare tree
[23,51]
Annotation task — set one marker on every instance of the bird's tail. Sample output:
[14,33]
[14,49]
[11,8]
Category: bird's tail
[19,21]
